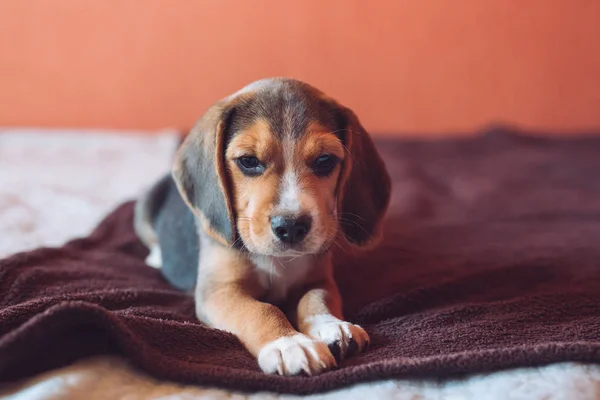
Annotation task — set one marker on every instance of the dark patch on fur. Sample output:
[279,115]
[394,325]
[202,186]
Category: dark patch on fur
[175,226]
[202,183]
[367,190]
[288,107]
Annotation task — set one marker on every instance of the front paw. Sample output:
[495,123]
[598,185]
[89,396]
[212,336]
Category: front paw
[292,355]
[343,338]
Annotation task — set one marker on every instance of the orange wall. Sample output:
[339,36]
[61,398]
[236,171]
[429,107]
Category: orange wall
[404,65]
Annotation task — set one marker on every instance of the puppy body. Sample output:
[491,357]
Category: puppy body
[249,276]
[267,183]
[167,226]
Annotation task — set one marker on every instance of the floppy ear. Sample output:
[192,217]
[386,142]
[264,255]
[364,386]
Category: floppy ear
[365,185]
[199,172]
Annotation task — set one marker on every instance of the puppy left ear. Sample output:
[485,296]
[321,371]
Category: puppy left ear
[200,175]
[365,185]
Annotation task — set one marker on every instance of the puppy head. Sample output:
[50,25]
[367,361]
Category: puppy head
[282,169]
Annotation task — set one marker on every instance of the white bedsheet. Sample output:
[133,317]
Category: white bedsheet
[55,185]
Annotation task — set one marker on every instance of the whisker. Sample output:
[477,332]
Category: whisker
[353,215]
[343,145]
[280,264]
[356,224]
[235,242]
[298,256]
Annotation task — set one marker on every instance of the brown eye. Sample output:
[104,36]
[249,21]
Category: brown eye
[324,165]
[250,165]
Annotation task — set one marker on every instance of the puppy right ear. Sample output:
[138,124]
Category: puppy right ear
[200,174]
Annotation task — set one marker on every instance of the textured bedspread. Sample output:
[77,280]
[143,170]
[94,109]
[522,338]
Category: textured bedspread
[491,261]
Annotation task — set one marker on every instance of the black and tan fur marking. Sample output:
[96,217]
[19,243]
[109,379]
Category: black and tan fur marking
[277,150]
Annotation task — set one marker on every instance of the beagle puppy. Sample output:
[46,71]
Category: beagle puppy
[270,182]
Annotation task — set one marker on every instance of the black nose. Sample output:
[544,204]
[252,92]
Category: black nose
[289,229]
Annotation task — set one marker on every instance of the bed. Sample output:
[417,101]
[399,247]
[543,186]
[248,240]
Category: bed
[57,185]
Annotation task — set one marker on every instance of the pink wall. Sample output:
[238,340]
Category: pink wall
[404,66]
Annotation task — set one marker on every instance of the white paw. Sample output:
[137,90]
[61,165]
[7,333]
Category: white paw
[292,355]
[154,259]
[343,338]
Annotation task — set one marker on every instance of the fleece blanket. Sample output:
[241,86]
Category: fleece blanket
[490,262]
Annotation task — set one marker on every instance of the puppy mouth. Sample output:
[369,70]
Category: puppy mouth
[290,254]
[280,249]
[284,250]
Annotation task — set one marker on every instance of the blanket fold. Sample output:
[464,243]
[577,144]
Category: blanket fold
[491,260]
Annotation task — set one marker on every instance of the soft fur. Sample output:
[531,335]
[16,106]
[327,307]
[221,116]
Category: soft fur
[269,183]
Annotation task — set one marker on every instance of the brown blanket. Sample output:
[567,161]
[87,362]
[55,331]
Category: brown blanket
[491,260]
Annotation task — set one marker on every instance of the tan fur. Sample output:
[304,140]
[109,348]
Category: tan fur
[254,198]
[230,300]
[237,290]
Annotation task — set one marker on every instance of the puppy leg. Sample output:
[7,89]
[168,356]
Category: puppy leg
[266,333]
[154,259]
[145,211]
[226,296]
[319,315]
